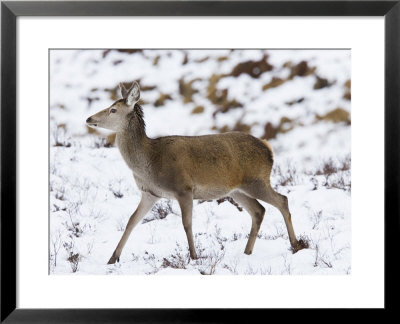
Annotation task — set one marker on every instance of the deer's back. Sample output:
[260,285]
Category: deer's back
[219,162]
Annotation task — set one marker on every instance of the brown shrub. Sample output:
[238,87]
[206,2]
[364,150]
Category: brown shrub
[321,83]
[59,135]
[285,175]
[116,62]
[301,69]
[345,163]
[161,99]
[238,127]
[270,131]
[327,168]
[347,94]
[285,125]
[198,110]
[275,82]
[74,259]
[156,60]
[186,89]
[252,68]
[185,59]
[227,105]
[203,59]
[212,88]
[123,50]
[220,97]
[90,100]
[337,115]
[179,260]
[295,101]
[61,106]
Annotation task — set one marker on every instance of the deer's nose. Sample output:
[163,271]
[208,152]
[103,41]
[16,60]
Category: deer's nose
[89,120]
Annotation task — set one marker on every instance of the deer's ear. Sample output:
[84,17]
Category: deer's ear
[133,94]
[124,92]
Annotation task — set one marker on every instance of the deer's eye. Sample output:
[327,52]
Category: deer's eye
[113,110]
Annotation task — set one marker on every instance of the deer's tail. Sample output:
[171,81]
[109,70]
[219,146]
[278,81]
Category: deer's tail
[271,151]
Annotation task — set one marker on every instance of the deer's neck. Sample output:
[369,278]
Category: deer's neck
[134,146]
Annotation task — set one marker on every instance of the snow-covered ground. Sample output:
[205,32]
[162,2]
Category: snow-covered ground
[298,99]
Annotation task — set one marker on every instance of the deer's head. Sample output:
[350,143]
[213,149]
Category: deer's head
[115,117]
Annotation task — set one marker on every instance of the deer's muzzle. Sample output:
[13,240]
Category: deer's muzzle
[91,122]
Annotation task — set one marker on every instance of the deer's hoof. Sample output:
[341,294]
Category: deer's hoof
[112,260]
[248,251]
[300,245]
[194,256]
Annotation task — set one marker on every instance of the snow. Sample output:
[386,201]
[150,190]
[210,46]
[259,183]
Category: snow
[93,194]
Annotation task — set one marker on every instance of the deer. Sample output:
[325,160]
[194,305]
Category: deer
[185,168]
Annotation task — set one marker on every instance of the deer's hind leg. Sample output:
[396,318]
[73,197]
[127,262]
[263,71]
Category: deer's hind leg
[256,211]
[263,191]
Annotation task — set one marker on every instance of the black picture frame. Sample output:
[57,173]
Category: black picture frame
[11,10]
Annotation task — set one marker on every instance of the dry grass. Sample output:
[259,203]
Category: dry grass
[285,175]
[160,210]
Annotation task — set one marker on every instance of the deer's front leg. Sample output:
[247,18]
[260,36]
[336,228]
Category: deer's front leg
[186,205]
[146,203]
